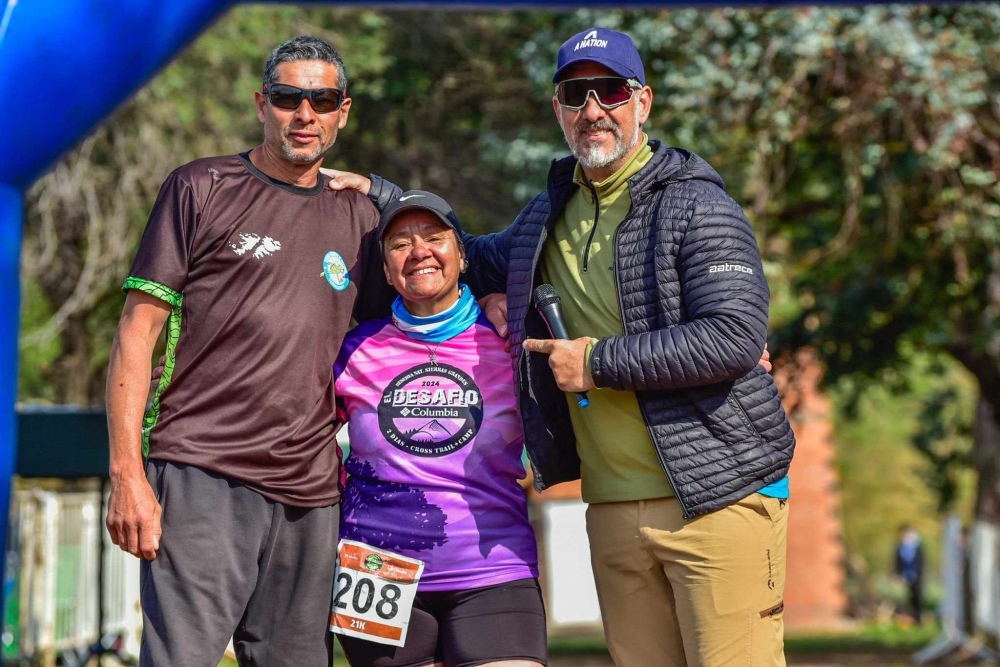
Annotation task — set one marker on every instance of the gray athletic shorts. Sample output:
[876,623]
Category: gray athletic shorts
[234,564]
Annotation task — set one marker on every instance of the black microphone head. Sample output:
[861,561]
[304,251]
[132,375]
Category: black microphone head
[545,295]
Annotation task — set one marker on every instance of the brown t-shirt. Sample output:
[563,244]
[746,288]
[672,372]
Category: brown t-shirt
[263,278]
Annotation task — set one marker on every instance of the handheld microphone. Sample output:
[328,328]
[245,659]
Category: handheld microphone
[547,302]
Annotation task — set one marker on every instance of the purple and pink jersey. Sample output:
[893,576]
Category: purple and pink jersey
[435,454]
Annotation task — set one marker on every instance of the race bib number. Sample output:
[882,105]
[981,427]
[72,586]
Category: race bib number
[373,593]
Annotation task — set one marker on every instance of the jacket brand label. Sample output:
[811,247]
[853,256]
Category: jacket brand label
[719,268]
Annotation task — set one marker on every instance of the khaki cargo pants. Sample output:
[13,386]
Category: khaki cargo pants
[701,593]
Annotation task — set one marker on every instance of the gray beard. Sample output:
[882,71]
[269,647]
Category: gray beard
[292,156]
[598,158]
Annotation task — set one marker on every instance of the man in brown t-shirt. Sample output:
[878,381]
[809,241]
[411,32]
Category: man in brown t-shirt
[256,268]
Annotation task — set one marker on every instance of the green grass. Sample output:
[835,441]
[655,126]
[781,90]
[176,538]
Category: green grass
[884,639]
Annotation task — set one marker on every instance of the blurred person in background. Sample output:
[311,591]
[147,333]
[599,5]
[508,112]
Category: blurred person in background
[909,567]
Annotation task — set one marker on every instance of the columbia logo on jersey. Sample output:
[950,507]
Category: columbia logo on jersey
[719,268]
[262,247]
[590,40]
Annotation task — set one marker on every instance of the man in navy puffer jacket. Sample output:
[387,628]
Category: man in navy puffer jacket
[684,449]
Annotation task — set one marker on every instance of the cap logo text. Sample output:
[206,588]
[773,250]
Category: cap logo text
[590,40]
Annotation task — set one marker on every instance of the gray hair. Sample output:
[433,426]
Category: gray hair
[300,48]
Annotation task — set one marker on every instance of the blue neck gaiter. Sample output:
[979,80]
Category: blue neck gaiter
[442,326]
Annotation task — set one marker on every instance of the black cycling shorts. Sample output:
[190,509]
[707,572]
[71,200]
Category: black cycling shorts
[463,629]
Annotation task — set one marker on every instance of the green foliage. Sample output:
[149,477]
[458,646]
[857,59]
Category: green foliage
[34,312]
[944,437]
[886,482]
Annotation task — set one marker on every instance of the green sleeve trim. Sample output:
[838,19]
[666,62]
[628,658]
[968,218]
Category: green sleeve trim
[175,299]
[161,292]
[152,417]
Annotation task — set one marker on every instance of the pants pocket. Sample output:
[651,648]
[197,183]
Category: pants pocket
[774,508]
[767,637]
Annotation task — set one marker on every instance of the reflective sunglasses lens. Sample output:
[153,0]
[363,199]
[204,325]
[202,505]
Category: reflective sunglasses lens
[325,100]
[610,91]
[285,97]
[573,93]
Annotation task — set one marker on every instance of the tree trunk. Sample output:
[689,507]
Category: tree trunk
[73,373]
[986,454]
[986,430]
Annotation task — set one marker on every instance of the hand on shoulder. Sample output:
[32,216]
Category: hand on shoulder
[347,180]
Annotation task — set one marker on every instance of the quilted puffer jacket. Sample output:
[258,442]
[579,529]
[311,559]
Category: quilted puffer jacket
[694,305]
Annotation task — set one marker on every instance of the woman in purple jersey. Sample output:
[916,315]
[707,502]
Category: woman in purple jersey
[435,456]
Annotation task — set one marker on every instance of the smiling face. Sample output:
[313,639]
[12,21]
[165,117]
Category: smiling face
[423,260]
[302,135]
[602,139]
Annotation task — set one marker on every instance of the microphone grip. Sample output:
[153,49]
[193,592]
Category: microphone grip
[554,321]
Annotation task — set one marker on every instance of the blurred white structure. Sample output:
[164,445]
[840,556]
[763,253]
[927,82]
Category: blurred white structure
[985,565]
[566,575]
[980,552]
[53,586]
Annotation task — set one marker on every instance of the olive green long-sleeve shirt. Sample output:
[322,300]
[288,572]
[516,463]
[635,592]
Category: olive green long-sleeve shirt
[618,460]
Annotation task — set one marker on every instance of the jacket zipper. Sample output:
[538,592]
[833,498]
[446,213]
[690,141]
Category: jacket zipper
[642,406]
[539,482]
[593,230]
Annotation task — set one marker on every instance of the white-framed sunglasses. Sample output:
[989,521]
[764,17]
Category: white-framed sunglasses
[609,91]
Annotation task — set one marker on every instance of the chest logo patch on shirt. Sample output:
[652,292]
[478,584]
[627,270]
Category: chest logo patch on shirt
[261,247]
[431,410]
[335,271]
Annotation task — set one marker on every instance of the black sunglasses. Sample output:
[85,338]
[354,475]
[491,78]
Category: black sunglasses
[322,100]
[610,91]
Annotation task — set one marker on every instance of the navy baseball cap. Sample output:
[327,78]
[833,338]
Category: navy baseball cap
[615,50]
[419,200]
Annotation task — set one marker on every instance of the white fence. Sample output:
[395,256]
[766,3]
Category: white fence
[52,575]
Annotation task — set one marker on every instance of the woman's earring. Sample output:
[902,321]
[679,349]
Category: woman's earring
[465,265]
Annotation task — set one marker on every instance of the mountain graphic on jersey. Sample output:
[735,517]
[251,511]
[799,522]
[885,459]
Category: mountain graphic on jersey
[373,509]
[432,431]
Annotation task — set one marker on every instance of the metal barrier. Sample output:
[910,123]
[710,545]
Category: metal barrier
[980,553]
[985,564]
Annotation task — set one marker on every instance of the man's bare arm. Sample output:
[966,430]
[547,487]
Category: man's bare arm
[133,512]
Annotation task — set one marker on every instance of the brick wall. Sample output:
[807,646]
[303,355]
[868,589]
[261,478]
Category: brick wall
[814,589]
